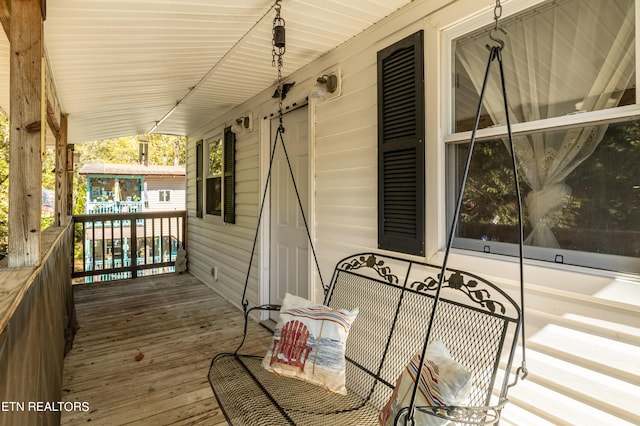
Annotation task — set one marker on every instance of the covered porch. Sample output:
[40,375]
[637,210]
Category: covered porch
[84,71]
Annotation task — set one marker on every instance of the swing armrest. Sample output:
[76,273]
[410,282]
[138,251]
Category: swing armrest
[267,307]
[471,415]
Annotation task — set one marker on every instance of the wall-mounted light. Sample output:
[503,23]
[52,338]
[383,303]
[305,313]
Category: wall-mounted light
[244,123]
[327,85]
[330,82]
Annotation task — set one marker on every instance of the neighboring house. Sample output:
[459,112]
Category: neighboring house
[122,188]
[378,161]
[131,188]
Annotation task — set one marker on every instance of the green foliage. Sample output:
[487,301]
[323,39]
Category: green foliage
[489,193]
[215,157]
[79,192]
[120,151]
[164,150]
[48,182]
[602,215]
[606,184]
[4,182]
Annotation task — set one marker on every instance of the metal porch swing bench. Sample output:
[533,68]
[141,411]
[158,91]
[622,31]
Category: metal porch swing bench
[403,306]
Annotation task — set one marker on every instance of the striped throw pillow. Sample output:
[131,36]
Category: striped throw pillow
[309,343]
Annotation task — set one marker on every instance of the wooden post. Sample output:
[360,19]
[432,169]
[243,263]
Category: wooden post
[25,169]
[5,17]
[70,166]
[62,186]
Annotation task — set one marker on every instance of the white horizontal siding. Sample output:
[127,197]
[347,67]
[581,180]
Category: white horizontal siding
[175,184]
[583,329]
[227,247]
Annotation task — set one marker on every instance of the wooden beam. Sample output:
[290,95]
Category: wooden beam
[64,120]
[25,169]
[53,106]
[5,17]
[52,118]
[62,186]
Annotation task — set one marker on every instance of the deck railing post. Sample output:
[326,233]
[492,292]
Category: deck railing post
[133,223]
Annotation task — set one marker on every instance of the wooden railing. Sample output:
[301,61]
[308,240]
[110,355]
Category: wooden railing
[127,245]
[37,324]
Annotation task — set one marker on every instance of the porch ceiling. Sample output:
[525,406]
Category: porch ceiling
[121,66]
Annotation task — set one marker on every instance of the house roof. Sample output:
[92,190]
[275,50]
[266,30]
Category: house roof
[131,169]
[170,66]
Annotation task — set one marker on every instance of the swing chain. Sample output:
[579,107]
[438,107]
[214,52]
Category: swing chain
[277,52]
[497,12]
[493,35]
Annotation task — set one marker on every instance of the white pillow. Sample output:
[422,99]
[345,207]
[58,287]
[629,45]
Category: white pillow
[309,343]
[443,382]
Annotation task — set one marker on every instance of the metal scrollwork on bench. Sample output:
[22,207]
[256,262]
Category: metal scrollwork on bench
[456,281]
[373,263]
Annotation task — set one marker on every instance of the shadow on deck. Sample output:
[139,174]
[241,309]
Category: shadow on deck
[175,324]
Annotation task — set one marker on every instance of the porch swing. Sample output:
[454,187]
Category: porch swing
[405,307]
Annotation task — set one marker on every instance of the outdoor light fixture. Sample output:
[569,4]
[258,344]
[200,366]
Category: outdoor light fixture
[242,123]
[330,82]
[326,85]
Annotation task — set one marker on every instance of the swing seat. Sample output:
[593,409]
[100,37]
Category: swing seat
[477,322]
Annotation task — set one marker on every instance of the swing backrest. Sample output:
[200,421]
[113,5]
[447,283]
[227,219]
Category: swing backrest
[477,322]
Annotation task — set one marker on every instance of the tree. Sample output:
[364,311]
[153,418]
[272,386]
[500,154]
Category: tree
[164,150]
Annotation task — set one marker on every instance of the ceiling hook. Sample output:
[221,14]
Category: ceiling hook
[493,35]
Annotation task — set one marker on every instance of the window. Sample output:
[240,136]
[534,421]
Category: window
[572,101]
[400,146]
[214,176]
[216,156]
[164,196]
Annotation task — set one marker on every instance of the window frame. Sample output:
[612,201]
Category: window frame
[212,178]
[227,177]
[164,196]
[564,259]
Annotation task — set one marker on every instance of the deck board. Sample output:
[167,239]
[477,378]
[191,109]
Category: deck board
[178,323]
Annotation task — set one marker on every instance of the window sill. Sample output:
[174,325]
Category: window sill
[538,274]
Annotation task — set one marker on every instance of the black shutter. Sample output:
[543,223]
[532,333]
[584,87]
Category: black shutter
[401,146]
[229,176]
[199,180]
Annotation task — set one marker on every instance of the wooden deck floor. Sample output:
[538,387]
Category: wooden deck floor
[178,324]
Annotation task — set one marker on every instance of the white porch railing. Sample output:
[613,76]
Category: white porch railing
[108,207]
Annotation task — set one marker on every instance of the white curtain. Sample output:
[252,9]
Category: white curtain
[565,58]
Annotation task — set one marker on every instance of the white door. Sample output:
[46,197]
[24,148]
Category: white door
[289,244]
